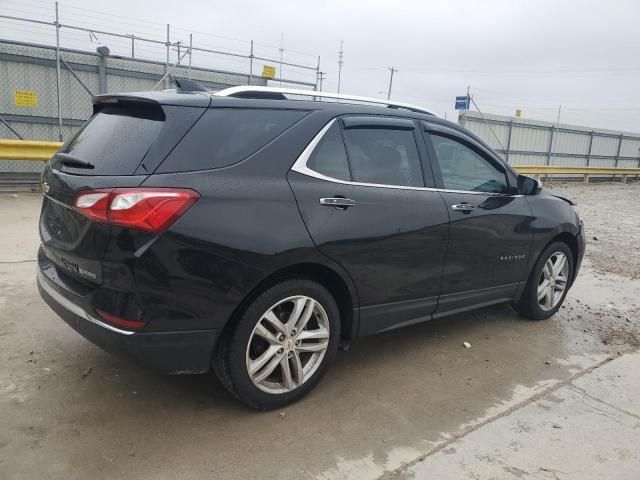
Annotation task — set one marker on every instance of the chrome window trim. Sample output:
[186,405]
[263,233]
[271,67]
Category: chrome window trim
[300,166]
[75,309]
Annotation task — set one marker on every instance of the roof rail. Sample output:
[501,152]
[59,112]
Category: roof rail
[275,92]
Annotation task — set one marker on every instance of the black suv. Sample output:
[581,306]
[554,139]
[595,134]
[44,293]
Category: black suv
[252,232]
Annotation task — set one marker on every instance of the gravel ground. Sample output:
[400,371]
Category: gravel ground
[611,213]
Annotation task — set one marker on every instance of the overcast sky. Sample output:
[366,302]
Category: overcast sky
[533,55]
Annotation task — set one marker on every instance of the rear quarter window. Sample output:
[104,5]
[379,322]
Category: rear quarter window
[224,136]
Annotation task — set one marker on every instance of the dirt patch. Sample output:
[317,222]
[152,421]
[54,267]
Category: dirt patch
[611,214]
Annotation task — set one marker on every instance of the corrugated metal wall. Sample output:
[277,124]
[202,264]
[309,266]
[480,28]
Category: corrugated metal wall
[532,142]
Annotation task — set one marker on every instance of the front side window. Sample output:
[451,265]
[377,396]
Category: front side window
[464,169]
[384,156]
[330,158]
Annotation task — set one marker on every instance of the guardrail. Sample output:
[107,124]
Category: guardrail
[586,172]
[27,150]
[43,151]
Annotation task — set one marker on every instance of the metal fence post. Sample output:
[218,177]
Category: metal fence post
[133,46]
[618,155]
[251,63]
[60,136]
[549,150]
[590,147]
[509,140]
[619,149]
[190,52]
[102,74]
[166,66]
[317,74]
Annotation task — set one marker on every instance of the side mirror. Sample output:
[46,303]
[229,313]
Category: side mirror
[528,185]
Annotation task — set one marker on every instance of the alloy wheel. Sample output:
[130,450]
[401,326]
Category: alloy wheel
[553,281]
[287,345]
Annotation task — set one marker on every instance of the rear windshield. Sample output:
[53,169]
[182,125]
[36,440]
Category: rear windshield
[115,140]
[224,136]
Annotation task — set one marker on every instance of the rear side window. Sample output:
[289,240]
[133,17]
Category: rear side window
[116,139]
[224,136]
[330,158]
[384,156]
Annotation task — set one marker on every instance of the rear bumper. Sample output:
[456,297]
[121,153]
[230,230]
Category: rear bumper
[182,352]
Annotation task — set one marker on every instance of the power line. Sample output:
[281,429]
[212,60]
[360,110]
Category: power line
[484,119]
[431,69]
[96,19]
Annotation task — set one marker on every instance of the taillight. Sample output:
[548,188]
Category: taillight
[93,204]
[118,321]
[150,209]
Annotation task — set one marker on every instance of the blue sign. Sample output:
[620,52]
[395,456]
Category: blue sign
[462,103]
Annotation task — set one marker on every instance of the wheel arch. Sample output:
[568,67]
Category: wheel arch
[340,289]
[571,241]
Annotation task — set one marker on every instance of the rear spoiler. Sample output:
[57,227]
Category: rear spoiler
[193,99]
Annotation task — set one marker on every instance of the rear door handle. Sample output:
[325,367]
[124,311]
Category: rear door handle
[463,207]
[338,202]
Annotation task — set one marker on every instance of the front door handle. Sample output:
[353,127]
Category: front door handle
[338,202]
[463,207]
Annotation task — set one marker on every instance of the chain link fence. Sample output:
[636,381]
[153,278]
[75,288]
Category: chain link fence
[46,89]
[29,100]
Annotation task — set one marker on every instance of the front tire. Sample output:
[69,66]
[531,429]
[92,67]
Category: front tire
[548,284]
[281,346]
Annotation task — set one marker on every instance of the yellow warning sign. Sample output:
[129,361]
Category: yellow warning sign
[268,71]
[25,98]
[518,112]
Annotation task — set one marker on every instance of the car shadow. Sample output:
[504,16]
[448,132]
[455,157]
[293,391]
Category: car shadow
[372,353]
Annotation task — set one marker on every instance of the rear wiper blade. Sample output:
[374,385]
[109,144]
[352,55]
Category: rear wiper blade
[72,161]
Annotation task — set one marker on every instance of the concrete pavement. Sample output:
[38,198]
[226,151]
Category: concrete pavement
[70,411]
[584,428]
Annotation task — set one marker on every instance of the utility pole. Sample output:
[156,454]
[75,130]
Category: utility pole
[321,77]
[166,65]
[281,49]
[392,70]
[340,62]
[250,64]
[58,82]
[190,52]
[555,138]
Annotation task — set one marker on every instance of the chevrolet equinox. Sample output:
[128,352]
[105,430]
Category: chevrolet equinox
[254,230]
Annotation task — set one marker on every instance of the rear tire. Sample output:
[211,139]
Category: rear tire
[548,283]
[281,346]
